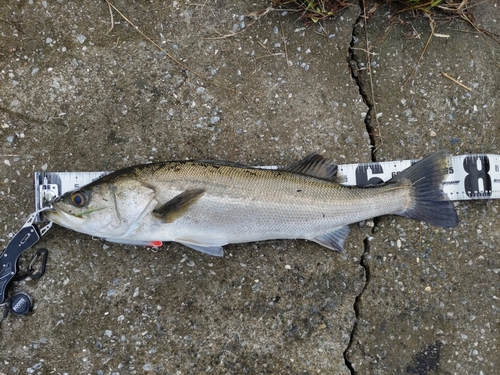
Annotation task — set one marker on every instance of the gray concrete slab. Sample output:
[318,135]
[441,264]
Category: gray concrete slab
[76,96]
[431,300]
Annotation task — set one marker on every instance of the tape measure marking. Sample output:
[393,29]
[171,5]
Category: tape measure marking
[470,177]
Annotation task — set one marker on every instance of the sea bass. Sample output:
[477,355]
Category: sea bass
[208,204]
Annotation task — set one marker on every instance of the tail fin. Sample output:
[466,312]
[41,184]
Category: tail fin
[430,202]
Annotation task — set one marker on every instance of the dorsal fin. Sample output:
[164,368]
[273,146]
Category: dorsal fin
[314,165]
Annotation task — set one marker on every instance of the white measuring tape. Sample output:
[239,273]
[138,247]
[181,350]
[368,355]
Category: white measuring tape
[475,176]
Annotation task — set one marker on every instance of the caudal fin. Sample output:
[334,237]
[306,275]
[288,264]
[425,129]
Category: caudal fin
[430,202]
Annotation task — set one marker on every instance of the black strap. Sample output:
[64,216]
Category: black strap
[42,253]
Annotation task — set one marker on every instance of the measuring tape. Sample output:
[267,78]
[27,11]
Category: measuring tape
[475,176]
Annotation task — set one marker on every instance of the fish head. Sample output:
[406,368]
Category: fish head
[108,209]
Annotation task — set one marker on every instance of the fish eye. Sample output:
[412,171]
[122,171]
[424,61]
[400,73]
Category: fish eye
[79,198]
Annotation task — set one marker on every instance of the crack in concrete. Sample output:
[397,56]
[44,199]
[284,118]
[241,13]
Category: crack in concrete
[356,66]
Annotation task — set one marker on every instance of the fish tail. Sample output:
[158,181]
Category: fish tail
[430,202]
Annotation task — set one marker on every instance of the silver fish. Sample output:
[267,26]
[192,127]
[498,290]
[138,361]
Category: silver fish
[208,204]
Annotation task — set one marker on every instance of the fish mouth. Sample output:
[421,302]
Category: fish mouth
[62,218]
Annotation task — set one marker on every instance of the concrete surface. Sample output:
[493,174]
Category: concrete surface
[431,303]
[76,96]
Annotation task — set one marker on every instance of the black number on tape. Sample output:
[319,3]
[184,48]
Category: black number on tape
[474,174]
[362,174]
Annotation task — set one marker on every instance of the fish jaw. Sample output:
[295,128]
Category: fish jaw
[64,219]
[99,226]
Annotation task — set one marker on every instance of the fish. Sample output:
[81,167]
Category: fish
[207,204]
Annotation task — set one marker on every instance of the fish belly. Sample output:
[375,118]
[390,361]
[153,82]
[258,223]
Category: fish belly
[222,219]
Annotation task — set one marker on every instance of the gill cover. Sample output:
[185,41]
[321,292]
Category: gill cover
[105,208]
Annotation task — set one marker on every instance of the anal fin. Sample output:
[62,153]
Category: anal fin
[333,240]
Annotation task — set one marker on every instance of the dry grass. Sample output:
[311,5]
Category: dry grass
[430,6]
[315,10]
[318,10]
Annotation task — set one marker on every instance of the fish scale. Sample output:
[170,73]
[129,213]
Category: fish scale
[264,199]
[208,204]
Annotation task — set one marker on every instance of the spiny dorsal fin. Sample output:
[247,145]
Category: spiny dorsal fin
[314,165]
[178,205]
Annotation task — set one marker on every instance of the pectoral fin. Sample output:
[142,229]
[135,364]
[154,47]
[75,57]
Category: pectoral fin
[178,205]
[333,240]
